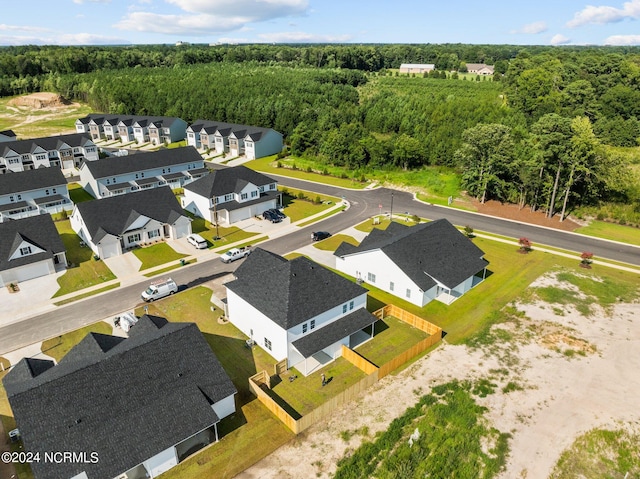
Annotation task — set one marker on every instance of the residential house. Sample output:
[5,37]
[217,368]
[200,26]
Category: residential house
[125,407]
[416,263]
[7,135]
[480,68]
[297,310]
[33,192]
[418,68]
[236,140]
[157,130]
[114,225]
[30,248]
[230,195]
[119,175]
[64,151]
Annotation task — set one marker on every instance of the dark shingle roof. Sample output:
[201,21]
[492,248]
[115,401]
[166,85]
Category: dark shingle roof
[234,205]
[227,180]
[48,143]
[143,161]
[38,230]
[434,250]
[112,214]
[125,399]
[98,118]
[31,180]
[291,292]
[226,129]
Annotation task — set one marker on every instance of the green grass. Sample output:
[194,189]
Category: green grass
[87,294]
[177,144]
[228,235]
[59,346]
[321,217]
[297,208]
[157,254]
[246,243]
[368,225]
[332,242]
[391,338]
[611,231]
[85,271]
[170,268]
[600,453]
[78,194]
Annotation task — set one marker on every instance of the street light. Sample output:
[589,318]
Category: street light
[215,217]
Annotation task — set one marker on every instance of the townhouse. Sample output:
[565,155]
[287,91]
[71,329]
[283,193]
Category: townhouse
[157,130]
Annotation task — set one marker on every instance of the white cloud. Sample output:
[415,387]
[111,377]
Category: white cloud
[302,37]
[559,39]
[605,14]
[206,17]
[532,28]
[80,2]
[22,28]
[233,40]
[623,40]
[55,39]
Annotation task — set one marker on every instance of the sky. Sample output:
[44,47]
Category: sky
[520,22]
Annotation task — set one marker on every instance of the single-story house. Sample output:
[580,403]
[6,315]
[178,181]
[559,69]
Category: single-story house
[33,192]
[418,68]
[237,140]
[416,263]
[231,194]
[157,130]
[120,175]
[297,310]
[125,407]
[480,68]
[30,248]
[114,225]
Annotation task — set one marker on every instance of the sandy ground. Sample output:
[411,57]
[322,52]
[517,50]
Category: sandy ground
[563,395]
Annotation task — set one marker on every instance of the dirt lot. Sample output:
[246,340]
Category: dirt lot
[575,374]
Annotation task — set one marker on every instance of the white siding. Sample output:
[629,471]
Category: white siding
[161,462]
[225,407]
[27,272]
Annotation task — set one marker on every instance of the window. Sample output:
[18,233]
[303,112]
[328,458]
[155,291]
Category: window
[272,186]
[244,196]
[304,328]
[54,190]
[133,238]
[371,277]
[344,308]
[46,192]
[154,234]
[254,194]
[25,251]
[391,285]
[11,198]
[228,197]
[267,344]
[313,323]
[408,293]
[262,189]
[351,304]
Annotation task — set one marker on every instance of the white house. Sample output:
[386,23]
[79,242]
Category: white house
[120,175]
[480,68]
[125,407]
[30,248]
[237,140]
[64,151]
[419,68]
[297,310]
[231,194]
[416,263]
[114,225]
[157,130]
[33,192]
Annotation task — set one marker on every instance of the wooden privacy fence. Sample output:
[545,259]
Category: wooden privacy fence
[409,354]
[280,368]
[358,361]
[409,318]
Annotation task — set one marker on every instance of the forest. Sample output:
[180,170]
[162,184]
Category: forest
[555,128]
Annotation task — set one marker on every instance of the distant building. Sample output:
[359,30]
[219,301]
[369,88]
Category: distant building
[417,67]
[156,130]
[480,68]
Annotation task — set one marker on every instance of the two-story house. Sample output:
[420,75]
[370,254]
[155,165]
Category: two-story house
[231,194]
[119,175]
[29,248]
[64,151]
[8,135]
[33,192]
[157,130]
[237,140]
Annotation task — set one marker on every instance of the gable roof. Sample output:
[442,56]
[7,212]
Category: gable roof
[49,143]
[17,182]
[100,119]
[113,214]
[426,253]
[119,165]
[38,230]
[296,290]
[226,129]
[226,181]
[125,399]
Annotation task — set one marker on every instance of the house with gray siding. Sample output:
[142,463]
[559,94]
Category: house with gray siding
[157,130]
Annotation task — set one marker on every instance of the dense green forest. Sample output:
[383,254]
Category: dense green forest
[545,131]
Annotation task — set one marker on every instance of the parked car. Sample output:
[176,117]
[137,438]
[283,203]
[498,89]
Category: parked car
[268,215]
[319,235]
[234,254]
[159,289]
[198,241]
[278,213]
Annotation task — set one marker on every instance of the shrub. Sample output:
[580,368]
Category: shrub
[279,164]
[309,169]
[325,172]
[343,175]
[301,196]
[525,245]
[468,230]
[318,200]
[600,217]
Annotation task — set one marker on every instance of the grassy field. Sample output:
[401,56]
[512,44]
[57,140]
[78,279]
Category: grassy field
[332,242]
[157,254]
[300,204]
[85,271]
[227,235]
[59,346]
[611,231]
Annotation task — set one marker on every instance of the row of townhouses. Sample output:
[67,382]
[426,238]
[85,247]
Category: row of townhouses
[156,130]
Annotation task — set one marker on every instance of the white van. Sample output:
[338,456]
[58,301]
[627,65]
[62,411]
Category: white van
[198,241]
[159,289]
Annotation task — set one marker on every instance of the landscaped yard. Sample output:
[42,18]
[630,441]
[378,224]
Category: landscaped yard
[611,231]
[85,270]
[78,194]
[332,243]
[59,346]
[391,338]
[228,235]
[157,254]
[300,204]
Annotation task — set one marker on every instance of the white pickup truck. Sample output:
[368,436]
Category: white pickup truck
[234,254]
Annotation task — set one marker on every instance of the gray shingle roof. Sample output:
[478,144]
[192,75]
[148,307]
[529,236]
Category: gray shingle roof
[225,181]
[434,250]
[48,143]
[234,205]
[159,121]
[113,213]
[225,129]
[126,399]
[38,230]
[143,161]
[291,292]
[48,199]
[31,180]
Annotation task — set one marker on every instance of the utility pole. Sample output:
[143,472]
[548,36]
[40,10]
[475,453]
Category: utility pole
[391,211]
[215,217]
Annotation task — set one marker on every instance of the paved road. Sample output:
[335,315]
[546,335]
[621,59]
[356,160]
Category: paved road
[363,205]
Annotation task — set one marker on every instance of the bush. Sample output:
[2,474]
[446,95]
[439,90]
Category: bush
[600,217]
[301,196]
[623,222]
[318,200]
[279,164]
[309,169]
[325,172]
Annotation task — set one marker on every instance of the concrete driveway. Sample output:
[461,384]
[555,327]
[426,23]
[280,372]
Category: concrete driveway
[125,266]
[33,298]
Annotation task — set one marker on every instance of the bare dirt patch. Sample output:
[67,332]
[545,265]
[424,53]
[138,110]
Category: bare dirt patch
[524,215]
[39,101]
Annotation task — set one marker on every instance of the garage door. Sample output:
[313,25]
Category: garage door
[109,250]
[181,231]
[31,271]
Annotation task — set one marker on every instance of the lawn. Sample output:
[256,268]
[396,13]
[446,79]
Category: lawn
[78,194]
[228,235]
[85,271]
[368,225]
[392,337]
[611,231]
[59,346]
[332,242]
[300,204]
[157,254]
[87,294]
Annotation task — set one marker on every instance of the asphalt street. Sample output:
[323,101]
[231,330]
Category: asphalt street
[364,204]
